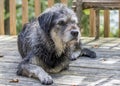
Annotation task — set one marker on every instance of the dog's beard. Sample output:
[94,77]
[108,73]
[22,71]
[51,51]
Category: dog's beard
[74,39]
[73,42]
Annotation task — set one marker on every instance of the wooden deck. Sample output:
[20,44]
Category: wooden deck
[101,71]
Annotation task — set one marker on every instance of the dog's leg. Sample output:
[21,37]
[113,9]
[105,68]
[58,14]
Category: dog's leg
[75,50]
[30,70]
[35,71]
[75,55]
[83,52]
[88,53]
[60,67]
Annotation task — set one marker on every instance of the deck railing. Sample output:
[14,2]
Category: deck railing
[12,10]
[95,6]
[12,18]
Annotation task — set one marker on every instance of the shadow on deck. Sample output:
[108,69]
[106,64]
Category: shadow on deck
[101,71]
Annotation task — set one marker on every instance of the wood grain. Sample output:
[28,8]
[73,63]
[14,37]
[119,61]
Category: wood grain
[12,17]
[64,1]
[50,3]
[119,23]
[105,68]
[24,11]
[2,32]
[106,23]
[92,22]
[37,7]
[97,25]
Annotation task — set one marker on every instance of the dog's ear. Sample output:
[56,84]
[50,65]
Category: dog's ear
[45,21]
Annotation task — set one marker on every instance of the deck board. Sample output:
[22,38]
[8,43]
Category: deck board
[101,71]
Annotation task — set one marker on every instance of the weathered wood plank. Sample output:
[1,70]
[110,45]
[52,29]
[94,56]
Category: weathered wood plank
[79,12]
[92,22]
[97,33]
[79,72]
[12,17]
[24,11]
[2,32]
[103,63]
[106,23]
[37,7]
[60,80]
[105,68]
[119,23]
[76,71]
[109,64]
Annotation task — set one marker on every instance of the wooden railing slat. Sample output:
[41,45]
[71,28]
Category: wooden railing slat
[97,24]
[79,12]
[50,3]
[2,17]
[119,23]
[93,19]
[64,1]
[12,17]
[106,23]
[24,11]
[92,22]
[37,7]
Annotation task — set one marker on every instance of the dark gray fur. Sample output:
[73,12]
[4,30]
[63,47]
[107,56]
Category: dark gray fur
[38,47]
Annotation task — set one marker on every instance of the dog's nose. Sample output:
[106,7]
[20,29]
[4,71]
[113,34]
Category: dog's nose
[74,33]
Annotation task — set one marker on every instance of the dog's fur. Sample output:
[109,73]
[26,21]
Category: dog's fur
[48,42]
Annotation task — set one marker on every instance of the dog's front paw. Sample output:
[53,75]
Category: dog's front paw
[75,55]
[19,72]
[46,80]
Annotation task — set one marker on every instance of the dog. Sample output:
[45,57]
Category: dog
[48,43]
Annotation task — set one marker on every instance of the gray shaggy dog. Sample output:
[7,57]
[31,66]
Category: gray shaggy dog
[48,43]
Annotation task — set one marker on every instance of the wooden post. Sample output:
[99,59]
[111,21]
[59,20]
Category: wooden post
[106,23]
[50,3]
[119,23]
[7,20]
[24,11]
[64,1]
[12,17]
[74,5]
[79,12]
[97,32]
[92,22]
[37,7]
[2,32]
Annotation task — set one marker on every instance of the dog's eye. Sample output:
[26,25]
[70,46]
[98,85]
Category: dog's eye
[61,23]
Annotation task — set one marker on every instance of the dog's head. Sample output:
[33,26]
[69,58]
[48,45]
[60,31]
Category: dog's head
[60,23]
